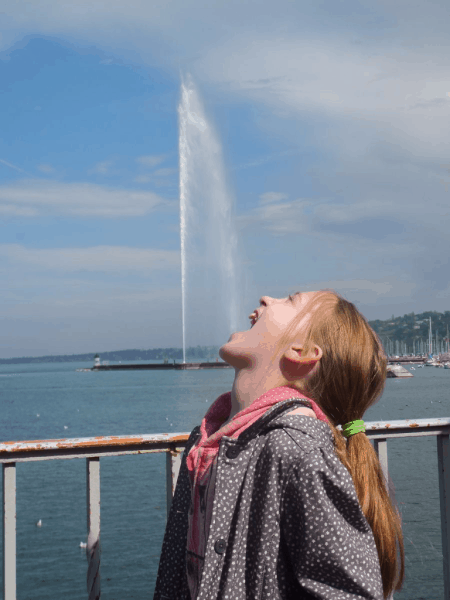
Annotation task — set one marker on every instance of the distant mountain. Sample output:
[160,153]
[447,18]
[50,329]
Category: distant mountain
[200,352]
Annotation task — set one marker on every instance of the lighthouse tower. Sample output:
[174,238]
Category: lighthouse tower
[96,361]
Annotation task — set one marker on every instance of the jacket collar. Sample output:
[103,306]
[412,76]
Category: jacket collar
[275,418]
[316,430]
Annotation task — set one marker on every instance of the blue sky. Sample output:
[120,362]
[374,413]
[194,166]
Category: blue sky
[333,121]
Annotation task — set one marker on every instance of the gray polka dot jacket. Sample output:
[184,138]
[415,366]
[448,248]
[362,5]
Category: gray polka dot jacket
[286,521]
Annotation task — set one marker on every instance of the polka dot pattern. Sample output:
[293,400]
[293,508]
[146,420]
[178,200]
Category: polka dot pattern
[286,523]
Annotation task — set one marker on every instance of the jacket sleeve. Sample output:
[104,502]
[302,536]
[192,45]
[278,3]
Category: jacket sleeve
[171,581]
[328,542]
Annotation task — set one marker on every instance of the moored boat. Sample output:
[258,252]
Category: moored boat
[398,371]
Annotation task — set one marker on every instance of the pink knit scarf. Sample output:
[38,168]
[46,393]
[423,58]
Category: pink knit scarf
[204,452]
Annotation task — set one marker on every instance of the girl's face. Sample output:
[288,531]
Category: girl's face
[268,324]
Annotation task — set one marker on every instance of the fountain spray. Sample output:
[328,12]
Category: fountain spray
[209,245]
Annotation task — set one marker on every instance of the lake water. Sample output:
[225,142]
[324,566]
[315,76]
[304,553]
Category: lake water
[50,562]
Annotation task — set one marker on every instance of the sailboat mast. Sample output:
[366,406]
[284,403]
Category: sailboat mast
[430,340]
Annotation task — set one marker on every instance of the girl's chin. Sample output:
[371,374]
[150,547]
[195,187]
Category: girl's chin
[228,347]
[234,334]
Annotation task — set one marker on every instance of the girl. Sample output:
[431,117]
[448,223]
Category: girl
[272,501]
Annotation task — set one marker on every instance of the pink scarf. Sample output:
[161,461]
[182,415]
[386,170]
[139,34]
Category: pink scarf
[204,452]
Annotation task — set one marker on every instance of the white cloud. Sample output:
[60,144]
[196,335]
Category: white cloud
[106,259]
[385,287]
[12,210]
[333,75]
[269,197]
[279,218]
[160,177]
[356,97]
[151,161]
[164,172]
[143,179]
[265,159]
[401,194]
[368,292]
[46,168]
[102,168]
[33,197]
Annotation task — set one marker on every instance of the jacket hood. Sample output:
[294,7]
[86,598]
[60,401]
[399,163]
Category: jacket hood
[277,418]
[318,431]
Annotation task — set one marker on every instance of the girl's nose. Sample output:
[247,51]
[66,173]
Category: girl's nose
[266,300]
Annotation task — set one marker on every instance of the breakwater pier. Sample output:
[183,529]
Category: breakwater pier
[165,366]
[209,365]
[407,359]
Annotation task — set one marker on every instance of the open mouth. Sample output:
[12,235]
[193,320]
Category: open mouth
[253,318]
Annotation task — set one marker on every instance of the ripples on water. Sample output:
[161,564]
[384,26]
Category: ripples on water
[51,563]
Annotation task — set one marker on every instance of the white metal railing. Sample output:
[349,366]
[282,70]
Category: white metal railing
[92,449]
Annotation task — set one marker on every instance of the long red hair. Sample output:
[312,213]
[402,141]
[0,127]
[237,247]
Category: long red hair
[350,378]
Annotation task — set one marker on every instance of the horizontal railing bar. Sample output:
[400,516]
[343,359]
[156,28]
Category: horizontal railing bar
[158,440]
[69,454]
[407,428]
[407,423]
[22,451]
[402,433]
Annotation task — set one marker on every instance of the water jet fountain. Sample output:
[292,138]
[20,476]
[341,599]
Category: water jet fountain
[209,265]
[210,269]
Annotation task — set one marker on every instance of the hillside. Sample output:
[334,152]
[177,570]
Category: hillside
[412,330]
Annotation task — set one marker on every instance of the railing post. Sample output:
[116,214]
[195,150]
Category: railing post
[9,531]
[380,447]
[93,526]
[173,463]
[443,448]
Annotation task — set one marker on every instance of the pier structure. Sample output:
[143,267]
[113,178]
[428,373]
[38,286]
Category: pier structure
[218,364]
[393,360]
[165,366]
[98,366]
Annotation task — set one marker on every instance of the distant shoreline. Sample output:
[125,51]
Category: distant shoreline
[408,329]
[200,352]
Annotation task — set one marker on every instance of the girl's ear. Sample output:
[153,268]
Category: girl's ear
[297,354]
[297,364]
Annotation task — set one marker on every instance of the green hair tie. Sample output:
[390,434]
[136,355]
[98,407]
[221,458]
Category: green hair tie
[353,427]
